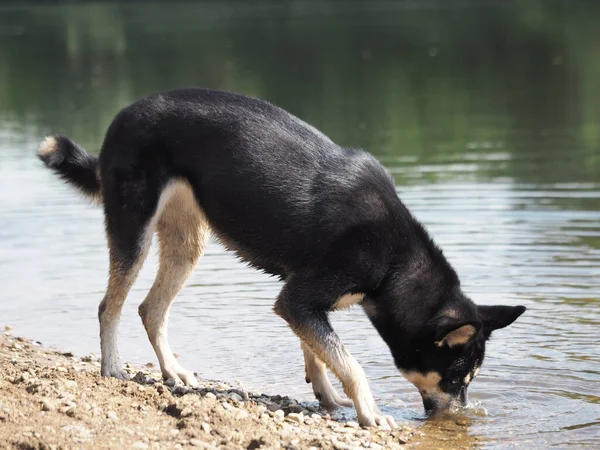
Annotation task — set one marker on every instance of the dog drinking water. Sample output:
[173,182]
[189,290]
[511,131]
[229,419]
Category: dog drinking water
[286,199]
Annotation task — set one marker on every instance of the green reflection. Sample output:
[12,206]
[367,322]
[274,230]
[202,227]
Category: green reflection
[517,82]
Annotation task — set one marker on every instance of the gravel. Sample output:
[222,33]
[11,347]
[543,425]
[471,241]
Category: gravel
[55,400]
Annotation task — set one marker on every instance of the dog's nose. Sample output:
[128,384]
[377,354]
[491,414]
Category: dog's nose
[442,402]
[429,404]
[462,396]
[435,403]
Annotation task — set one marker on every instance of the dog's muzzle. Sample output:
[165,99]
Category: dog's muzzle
[434,402]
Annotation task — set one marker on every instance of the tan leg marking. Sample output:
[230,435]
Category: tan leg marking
[334,354]
[182,234]
[109,312]
[316,373]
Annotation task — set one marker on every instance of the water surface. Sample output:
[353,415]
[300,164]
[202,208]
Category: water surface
[488,116]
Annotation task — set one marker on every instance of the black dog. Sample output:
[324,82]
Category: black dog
[289,201]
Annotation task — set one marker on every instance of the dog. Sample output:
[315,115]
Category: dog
[287,200]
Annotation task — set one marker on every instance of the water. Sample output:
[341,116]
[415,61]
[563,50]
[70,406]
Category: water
[488,115]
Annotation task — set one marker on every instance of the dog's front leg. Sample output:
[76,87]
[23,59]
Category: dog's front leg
[316,373]
[311,325]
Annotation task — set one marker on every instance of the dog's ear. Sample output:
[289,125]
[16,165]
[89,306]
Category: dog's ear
[452,332]
[496,317]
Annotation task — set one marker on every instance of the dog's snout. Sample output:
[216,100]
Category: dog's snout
[441,401]
[429,404]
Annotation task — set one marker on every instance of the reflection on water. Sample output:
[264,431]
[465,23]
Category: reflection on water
[488,117]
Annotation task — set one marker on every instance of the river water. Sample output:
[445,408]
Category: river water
[486,113]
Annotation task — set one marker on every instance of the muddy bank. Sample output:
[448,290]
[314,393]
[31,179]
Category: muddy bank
[54,400]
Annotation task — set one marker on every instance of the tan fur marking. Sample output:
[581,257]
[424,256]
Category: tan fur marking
[429,388]
[119,284]
[460,336]
[348,300]
[334,354]
[316,372]
[47,146]
[182,235]
[428,382]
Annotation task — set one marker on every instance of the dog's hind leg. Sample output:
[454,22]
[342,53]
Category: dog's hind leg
[316,373]
[127,254]
[182,234]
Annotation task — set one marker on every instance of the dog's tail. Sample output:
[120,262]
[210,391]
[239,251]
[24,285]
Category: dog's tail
[73,164]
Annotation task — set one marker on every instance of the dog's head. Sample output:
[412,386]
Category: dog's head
[437,345]
[449,350]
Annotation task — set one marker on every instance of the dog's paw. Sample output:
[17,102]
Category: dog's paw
[187,378]
[386,422]
[378,420]
[332,404]
[114,372]
[181,376]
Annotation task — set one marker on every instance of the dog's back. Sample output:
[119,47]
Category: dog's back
[273,188]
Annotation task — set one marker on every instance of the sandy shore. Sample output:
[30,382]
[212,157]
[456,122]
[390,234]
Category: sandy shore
[54,400]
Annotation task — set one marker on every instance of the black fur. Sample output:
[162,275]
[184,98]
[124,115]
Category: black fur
[74,165]
[289,201]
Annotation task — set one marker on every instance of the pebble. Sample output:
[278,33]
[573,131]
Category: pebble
[352,424]
[112,415]
[279,413]
[295,408]
[141,378]
[78,429]
[139,445]
[197,443]
[295,417]
[210,396]
[235,396]
[170,382]
[316,417]
[48,405]
[180,390]
[70,384]
[185,412]
[273,406]
[205,427]
[226,406]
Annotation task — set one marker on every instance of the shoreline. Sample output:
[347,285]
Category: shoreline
[54,400]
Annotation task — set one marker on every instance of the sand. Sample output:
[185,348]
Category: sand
[56,400]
